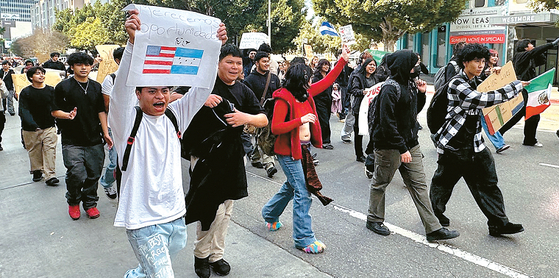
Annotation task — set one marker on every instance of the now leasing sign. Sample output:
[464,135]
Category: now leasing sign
[473,28]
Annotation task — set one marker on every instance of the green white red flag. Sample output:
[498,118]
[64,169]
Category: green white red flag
[539,93]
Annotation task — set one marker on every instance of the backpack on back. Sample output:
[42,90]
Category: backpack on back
[372,115]
[437,110]
[440,76]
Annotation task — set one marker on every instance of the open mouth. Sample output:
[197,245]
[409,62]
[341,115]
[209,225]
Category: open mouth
[159,104]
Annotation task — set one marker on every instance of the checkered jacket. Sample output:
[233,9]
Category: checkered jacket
[464,100]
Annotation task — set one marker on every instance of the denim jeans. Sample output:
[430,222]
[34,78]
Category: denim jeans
[155,246]
[496,139]
[294,188]
[108,178]
[84,165]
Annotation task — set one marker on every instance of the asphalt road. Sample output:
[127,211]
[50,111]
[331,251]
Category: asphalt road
[38,239]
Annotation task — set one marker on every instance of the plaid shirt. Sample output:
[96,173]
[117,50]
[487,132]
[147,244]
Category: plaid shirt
[464,100]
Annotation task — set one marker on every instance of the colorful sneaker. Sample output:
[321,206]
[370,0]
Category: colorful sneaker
[315,247]
[74,212]
[93,213]
[274,226]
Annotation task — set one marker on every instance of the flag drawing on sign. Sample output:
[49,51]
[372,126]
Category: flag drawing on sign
[327,29]
[172,60]
[539,93]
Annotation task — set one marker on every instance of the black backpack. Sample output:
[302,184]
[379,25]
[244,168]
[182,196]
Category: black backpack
[437,111]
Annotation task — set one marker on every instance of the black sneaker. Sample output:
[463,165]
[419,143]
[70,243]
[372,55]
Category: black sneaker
[221,267]
[328,146]
[378,227]
[271,171]
[37,175]
[202,267]
[508,228]
[257,164]
[52,181]
[1,149]
[442,234]
[361,159]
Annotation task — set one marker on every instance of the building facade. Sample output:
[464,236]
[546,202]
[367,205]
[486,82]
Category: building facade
[15,17]
[498,24]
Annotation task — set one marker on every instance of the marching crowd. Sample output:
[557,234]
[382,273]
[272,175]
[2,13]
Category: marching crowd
[253,114]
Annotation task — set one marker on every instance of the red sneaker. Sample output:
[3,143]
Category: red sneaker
[74,212]
[92,213]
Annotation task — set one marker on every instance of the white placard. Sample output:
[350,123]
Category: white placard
[174,48]
[253,40]
[346,33]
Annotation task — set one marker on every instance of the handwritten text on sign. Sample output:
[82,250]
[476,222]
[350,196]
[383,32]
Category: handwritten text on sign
[174,48]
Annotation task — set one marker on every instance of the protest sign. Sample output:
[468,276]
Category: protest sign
[20,80]
[346,33]
[253,40]
[174,48]
[498,115]
[308,52]
[108,64]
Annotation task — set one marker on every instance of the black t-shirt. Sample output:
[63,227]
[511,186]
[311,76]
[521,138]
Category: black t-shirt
[257,82]
[85,128]
[240,95]
[35,106]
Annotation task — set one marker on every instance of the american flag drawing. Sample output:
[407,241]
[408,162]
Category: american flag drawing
[172,60]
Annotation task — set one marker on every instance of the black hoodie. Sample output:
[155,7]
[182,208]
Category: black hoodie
[398,127]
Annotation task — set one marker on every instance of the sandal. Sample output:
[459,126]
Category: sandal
[274,226]
[314,248]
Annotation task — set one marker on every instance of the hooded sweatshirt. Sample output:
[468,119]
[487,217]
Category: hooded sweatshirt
[398,127]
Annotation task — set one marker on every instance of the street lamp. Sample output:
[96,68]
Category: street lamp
[270,22]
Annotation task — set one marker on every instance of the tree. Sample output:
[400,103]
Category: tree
[544,5]
[40,44]
[89,33]
[388,20]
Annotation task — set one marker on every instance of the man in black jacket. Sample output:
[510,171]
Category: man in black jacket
[397,146]
[54,63]
[256,81]
[525,61]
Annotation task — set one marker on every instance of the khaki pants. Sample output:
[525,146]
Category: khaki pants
[211,243]
[41,147]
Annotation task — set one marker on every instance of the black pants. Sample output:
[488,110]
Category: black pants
[323,110]
[530,125]
[2,124]
[358,142]
[345,102]
[478,170]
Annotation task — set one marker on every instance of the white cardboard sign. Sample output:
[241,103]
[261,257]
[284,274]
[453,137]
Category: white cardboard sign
[253,40]
[174,48]
[347,35]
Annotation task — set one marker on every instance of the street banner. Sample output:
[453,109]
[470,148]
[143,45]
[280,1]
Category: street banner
[174,48]
[346,33]
[108,64]
[498,115]
[377,54]
[253,40]
[327,29]
[539,93]
[20,80]
[370,94]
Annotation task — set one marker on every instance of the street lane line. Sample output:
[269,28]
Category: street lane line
[549,165]
[441,246]
[505,270]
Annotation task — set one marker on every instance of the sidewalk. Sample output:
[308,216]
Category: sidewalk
[40,240]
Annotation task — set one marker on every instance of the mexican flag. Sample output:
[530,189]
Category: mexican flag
[539,93]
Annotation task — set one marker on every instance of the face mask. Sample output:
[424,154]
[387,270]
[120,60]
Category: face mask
[416,72]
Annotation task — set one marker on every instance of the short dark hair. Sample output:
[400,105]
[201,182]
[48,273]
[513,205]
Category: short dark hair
[522,44]
[471,52]
[29,61]
[298,60]
[229,49]
[117,53]
[54,54]
[30,72]
[139,89]
[260,55]
[79,58]
[5,62]
[265,47]
[458,47]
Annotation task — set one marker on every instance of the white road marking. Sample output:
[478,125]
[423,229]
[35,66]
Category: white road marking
[549,165]
[505,270]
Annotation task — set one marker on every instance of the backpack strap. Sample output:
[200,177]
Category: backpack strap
[173,119]
[132,137]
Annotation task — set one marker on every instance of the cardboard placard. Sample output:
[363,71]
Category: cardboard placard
[347,35]
[308,52]
[108,64]
[253,40]
[20,80]
[498,115]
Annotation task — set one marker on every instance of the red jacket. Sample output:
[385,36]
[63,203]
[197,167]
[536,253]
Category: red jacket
[288,131]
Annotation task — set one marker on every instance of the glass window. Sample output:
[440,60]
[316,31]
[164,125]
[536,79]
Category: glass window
[479,3]
[425,48]
[411,41]
[441,47]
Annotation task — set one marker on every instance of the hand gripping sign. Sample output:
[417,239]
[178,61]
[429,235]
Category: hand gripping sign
[174,48]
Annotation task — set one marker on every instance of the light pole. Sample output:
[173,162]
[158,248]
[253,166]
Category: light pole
[270,22]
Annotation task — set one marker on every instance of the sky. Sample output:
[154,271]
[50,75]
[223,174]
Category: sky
[310,12]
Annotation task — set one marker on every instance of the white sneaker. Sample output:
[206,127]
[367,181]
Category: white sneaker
[538,144]
[111,192]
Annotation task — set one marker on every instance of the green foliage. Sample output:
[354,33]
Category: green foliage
[89,33]
[545,5]
[388,20]
[325,44]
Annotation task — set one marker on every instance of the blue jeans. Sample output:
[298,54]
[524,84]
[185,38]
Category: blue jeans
[496,139]
[155,246]
[108,178]
[294,188]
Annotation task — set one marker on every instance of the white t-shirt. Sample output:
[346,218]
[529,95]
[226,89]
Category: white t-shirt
[151,188]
